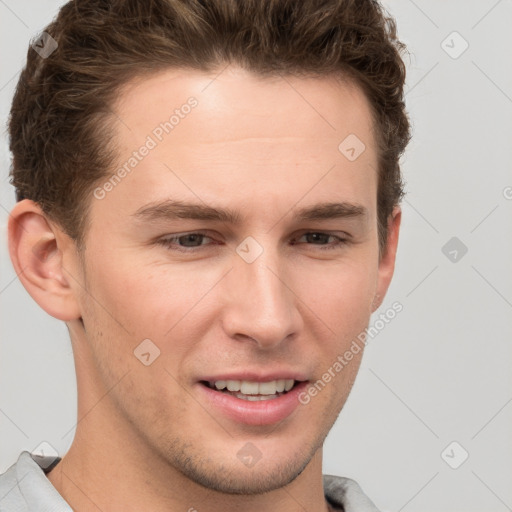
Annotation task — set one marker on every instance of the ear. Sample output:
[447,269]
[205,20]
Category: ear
[38,248]
[387,258]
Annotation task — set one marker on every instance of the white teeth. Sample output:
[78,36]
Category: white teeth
[288,384]
[255,398]
[233,385]
[267,388]
[251,388]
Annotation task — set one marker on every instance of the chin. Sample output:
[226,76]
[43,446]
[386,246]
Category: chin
[249,481]
[230,475]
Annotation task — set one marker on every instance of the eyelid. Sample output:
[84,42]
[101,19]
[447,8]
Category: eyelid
[342,239]
[167,241]
[330,232]
[173,236]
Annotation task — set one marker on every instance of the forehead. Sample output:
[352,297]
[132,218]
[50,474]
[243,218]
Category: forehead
[241,137]
[237,99]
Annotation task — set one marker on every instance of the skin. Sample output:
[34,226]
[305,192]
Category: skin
[145,437]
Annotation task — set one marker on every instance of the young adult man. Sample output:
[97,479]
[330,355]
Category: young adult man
[208,195]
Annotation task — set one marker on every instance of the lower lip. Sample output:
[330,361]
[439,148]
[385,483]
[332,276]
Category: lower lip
[261,412]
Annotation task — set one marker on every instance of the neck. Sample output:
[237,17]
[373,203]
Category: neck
[107,483]
[108,467]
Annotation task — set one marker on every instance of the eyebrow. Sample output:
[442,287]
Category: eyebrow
[175,209]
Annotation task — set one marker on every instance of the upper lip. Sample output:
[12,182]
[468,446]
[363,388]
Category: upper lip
[255,376]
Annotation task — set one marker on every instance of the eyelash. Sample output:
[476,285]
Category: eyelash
[169,242]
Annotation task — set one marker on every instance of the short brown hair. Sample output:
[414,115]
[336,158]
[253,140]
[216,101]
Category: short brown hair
[59,128]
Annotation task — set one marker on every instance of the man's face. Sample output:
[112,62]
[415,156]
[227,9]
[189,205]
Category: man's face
[267,295]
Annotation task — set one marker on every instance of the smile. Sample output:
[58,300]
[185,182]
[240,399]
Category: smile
[251,402]
[252,390]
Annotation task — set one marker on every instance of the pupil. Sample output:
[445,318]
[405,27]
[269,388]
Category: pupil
[317,237]
[193,237]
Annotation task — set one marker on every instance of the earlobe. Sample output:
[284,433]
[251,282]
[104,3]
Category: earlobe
[36,248]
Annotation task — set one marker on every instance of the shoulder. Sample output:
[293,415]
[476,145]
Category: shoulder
[24,487]
[11,498]
[347,494]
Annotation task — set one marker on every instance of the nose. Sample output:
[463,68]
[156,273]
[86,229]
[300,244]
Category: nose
[260,303]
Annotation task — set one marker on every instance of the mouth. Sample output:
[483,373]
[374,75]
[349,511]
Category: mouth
[254,402]
[253,391]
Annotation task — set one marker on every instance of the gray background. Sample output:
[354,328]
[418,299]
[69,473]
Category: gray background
[441,370]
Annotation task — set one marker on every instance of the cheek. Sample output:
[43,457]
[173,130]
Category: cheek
[340,299]
[340,295]
[169,306]
[148,301]
[147,391]
[121,312]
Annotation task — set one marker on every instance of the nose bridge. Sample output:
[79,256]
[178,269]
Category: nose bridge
[261,304]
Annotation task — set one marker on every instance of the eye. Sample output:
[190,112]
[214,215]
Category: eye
[185,242]
[189,242]
[322,239]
